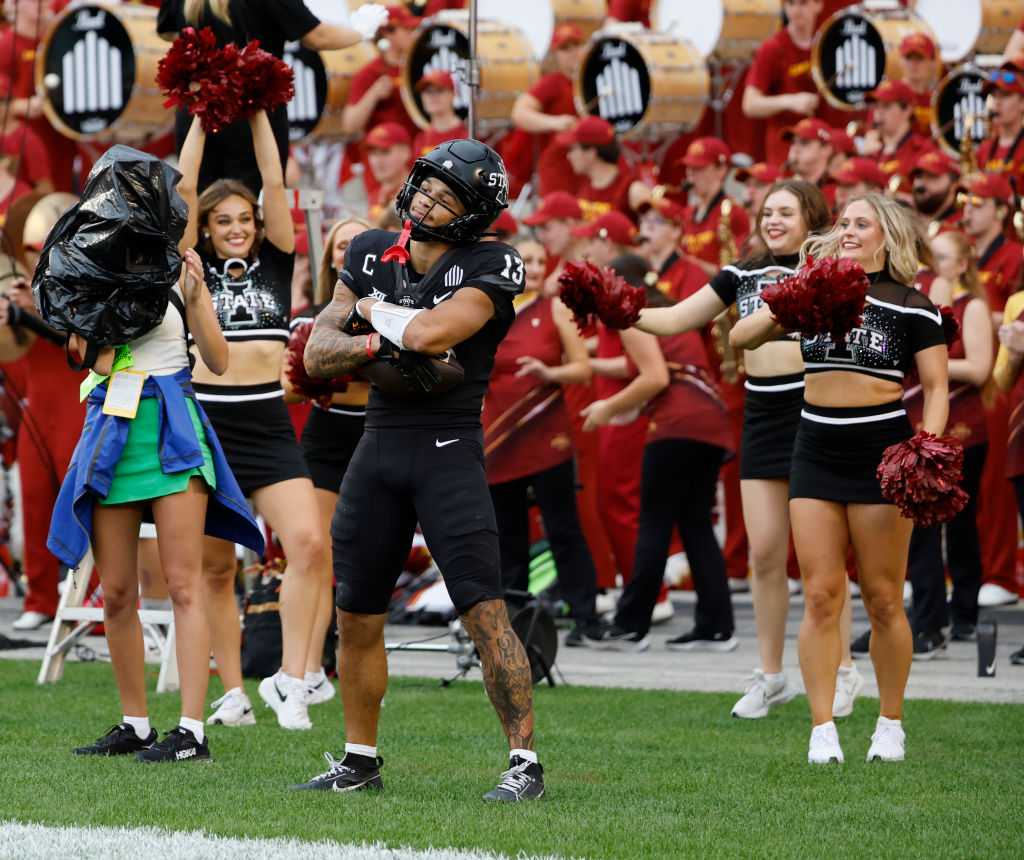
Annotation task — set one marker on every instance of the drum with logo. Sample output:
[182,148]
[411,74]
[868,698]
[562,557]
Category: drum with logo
[322,82]
[858,46]
[504,57]
[728,30]
[645,84]
[971,26]
[958,108]
[96,69]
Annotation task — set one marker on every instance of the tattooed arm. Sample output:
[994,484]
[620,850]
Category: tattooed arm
[330,352]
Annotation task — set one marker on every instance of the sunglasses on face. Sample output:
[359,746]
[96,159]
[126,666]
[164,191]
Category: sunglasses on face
[1009,78]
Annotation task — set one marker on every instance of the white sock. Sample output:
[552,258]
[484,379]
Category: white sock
[140,724]
[194,726]
[314,678]
[775,680]
[361,749]
[155,603]
[846,670]
[291,679]
[525,755]
[825,725]
[234,691]
[885,721]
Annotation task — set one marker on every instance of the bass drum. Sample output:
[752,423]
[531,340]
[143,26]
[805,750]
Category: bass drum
[539,18]
[504,57]
[728,30]
[322,82]
[855,48]
[96,70]
[647,85]
[958,108]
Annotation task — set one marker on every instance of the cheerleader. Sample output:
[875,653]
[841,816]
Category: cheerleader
[853,411]
[152,455]
[328,440]
[687,440]
[774,394]
[248,258]
[970,363]
[528,444]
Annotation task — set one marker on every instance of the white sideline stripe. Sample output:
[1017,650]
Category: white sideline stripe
[42,842]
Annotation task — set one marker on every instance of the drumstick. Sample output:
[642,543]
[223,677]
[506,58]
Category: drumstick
[603,91]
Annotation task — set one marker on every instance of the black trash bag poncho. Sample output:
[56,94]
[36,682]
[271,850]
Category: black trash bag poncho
[109,263]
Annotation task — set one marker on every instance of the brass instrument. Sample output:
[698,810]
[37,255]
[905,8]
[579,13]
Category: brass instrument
[968,159]
[731,360]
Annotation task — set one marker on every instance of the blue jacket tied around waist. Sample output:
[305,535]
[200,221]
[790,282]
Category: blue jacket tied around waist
[99,449]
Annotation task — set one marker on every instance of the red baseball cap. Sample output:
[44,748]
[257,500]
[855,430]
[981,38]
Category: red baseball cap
[589,131]
[566,34]
[917,43]
[612,225]
[856,170]
[438,78]
[760,172]
[809,129]
[666,207]
[842,142]
[991,186]
[505,224]
[705,151]
[557,204]
[936,163]
[386,135]
[400,16]
[1009,77]
[889,92]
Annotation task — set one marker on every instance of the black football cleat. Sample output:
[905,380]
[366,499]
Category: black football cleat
[352,773]
[524,780]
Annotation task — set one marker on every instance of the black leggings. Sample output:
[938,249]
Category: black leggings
[926,568]
[555,492]
[680,478]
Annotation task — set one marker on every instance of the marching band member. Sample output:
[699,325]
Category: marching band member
[893,142]
[810,152]
[602,240]
[437,92]
[388,153]
[921,70]
[936,182]
[852,412]
[603,178]
[857,177]
[1003,151]
[528,444]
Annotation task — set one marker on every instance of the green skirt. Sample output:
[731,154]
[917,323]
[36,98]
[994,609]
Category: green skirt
[138,475]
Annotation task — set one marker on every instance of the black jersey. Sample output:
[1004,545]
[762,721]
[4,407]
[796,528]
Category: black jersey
[742,285]
[492,267]
[898,323]
[252,298]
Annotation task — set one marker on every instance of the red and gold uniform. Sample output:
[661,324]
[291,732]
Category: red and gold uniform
[427,139]
[596,202]
[999,269]
[700,229]
[1015,446]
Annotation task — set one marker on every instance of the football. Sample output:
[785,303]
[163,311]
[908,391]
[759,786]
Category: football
[413,376]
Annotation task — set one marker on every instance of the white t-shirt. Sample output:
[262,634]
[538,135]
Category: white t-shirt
[162,351]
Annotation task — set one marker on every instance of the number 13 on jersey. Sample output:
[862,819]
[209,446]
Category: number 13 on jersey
[513,269]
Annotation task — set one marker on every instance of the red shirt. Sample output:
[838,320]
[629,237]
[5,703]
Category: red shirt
[29,154]
[18,190]
[1004,159]
[781,67]
[900,161]
[680,278]
[595,202]
[378,199]
[526,425]
[700,234]
[999,268]
[426,140]
[631,10]
[554,91]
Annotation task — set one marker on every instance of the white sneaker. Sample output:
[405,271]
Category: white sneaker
[286,697]
[824,747]
[761,694]
[738,586]
[31,621]
[319,688]
[990,594]
[663,611]
[605,603]
[232,709]
[888,742]
[848,684]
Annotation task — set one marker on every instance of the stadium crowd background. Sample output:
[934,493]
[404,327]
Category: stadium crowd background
[685,197]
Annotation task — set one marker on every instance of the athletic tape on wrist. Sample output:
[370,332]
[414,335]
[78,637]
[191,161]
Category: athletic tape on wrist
[392,320]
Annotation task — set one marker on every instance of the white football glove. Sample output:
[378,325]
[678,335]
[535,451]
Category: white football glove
[368,19]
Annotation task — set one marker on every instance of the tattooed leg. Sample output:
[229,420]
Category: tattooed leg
[507,675]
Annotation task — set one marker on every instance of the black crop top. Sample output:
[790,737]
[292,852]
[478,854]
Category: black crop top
[744,285]
[256,303]
[898,323]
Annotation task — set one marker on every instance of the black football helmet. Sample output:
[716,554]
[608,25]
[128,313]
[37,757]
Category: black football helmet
[476,175]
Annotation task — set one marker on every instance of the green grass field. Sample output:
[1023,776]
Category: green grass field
[629,774]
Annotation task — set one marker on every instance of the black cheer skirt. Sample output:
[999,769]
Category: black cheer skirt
[328,440]
[256,432]
[838,450]
[771,415]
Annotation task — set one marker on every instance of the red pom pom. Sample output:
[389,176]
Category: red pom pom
[950,327]
[825,297]
[922,478]
[267,81]
[592,293]
[320,390]
[197,75]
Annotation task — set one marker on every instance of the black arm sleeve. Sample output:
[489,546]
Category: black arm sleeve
[171,17]
[290,18]
[924,325]
[726,284]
